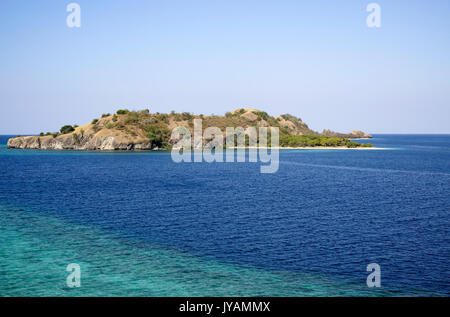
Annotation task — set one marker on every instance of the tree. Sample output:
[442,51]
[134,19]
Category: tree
[66,129]
[158,135]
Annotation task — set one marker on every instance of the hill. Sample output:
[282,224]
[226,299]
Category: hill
[142,130]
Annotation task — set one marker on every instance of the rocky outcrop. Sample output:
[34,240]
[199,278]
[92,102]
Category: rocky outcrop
[294,125]
[356,134]
[359,134]
[70,142]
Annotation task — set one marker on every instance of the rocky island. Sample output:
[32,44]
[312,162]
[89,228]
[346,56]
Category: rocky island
[141,130]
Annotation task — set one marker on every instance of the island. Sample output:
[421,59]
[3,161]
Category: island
[141,130]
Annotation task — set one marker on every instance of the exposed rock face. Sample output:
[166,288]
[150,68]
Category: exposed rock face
[359,134]
[69,142]
[294,125]
[356,134]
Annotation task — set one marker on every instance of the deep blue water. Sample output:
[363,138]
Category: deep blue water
[322,217]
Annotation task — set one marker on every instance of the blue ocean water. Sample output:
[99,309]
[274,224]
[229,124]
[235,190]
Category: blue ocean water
[140,225]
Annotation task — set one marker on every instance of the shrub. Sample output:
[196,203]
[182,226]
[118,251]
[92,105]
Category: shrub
[114,118]
[105,115]
[122,111]
[76,138]
[158,135]
[109,125]
[132,117]
[186,116]
[289,117]
[164,118]
[41,134]
[94,121]
[153,120]
[66,129]
[96,128]
[262,115]
[284,130]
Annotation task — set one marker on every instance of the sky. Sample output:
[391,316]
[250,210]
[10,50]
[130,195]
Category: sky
[317,60]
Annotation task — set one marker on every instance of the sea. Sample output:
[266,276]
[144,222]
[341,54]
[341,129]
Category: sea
[139,224]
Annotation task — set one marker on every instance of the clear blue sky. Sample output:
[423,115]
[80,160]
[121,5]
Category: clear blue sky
[314,59]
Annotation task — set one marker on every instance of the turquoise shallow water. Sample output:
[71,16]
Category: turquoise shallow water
[140,225]
[35,251]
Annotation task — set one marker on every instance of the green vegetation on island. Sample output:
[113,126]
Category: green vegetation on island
[318,140]
[128,130]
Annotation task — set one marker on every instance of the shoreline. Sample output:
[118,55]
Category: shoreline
[231,148]
[311,148]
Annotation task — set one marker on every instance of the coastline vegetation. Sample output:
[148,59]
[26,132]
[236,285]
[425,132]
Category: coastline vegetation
[156,127]
[318,140]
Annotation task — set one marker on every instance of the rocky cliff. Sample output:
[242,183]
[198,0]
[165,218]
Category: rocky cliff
[78,142]
[93,136]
